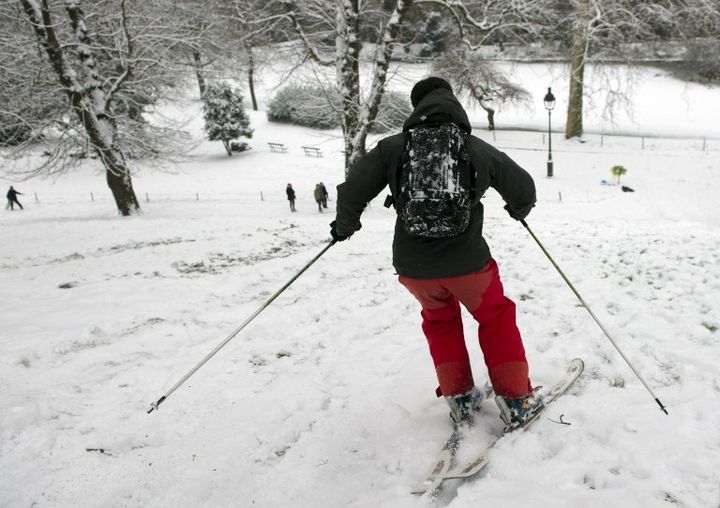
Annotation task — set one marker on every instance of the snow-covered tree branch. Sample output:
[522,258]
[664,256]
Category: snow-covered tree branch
[100,66]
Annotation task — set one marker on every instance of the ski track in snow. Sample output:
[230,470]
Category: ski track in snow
[326,399]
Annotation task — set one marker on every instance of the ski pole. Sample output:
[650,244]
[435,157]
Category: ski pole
[155,405]
[592,314]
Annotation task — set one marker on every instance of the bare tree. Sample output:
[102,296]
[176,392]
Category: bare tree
[95,76]
[200,29]
[28,89]
[255,22]
[317,22]
[600,27]
[82,84]
[469,73]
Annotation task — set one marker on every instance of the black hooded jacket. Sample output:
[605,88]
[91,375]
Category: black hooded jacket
[430,258]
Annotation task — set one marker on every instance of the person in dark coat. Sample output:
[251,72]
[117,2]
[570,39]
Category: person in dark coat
[442,273]
[291,197]
[325,194]
[318,195]
[12,195]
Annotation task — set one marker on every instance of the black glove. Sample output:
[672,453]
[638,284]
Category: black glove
[333,232]
[514,214]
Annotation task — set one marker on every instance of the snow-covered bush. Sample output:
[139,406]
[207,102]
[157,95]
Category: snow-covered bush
[702,60]
[239,146]
[305,105]
[225,117]
[319,108]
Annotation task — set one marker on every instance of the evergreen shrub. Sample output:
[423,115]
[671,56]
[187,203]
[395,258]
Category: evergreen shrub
[225,116]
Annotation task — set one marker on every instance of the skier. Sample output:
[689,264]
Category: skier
[12,199]
[442,273]
[291,197]
[318,194]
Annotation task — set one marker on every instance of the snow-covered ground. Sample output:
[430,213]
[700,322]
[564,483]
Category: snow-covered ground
[327,397]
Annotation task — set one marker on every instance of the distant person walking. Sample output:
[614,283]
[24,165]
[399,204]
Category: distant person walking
[12,199]
[291,197]
[325,194]
[319,197]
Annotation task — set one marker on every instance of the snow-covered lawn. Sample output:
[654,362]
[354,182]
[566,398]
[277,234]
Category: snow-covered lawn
[327,398]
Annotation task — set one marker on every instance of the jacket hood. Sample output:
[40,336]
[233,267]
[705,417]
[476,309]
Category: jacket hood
[439,106]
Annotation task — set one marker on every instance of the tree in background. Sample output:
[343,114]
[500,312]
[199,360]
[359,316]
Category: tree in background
[330,33]
[469,73]
[225,34]
[602,27]
[90,89]
[68,39]
[255,23]
[204,44]
[225,117]
[28,89]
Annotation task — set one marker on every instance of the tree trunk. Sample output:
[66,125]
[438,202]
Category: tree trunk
[485,103]
[356,118]
[122,190]
[226,144]
[574,123]
[347,45]
[491,118]
[199,72]
[251,74]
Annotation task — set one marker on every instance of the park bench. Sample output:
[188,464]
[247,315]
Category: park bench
[311,151]
[277,147]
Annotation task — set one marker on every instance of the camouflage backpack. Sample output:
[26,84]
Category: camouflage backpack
[436,182]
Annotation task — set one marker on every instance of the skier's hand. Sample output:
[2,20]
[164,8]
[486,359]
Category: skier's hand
[514,213]
[336,236]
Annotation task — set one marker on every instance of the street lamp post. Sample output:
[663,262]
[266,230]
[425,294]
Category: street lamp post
[549,105]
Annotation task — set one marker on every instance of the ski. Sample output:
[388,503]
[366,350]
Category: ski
[443,468]
[445,460]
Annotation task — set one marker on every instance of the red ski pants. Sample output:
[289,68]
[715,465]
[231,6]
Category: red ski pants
[482,294]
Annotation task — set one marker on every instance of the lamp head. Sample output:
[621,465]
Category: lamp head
[549,100]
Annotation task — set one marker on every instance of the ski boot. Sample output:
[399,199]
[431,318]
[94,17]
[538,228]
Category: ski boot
[517,412]
[463,407]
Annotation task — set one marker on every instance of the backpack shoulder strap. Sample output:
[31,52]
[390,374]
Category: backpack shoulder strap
[471,168]
[394,198]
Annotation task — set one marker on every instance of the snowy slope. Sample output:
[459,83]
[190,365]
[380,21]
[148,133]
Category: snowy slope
[326,399]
